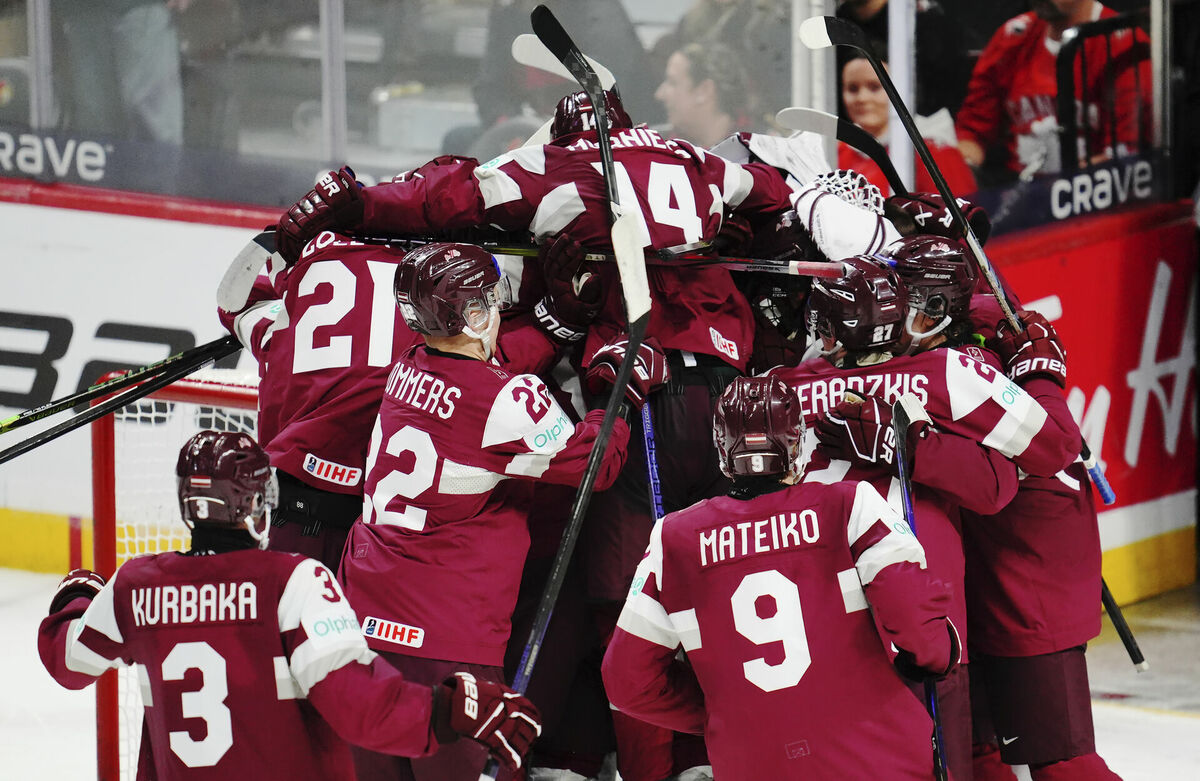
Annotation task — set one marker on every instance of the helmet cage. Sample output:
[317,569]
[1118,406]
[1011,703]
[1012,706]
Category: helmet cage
[443,289]
[939,278]
[758,428]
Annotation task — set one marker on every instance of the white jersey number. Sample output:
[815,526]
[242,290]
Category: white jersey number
[785,626]
[207,703]
[337,352]
[406,485]
[669,195]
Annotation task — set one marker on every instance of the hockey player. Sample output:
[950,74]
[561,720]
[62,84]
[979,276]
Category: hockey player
[1033,581]
[253,664]
[434,565]
[325,332]
[766,591]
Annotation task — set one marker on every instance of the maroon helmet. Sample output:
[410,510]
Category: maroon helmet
[864,309]
[442,288]
[224,480]
[938,275]
[574,114]
[758,428]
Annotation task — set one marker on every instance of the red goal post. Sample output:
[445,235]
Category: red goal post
[135,510]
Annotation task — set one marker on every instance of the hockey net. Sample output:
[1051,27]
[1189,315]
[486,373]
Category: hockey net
[136,511]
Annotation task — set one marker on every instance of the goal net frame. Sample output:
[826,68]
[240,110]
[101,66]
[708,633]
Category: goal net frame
[178,411]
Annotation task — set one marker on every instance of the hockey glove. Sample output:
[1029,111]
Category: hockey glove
[1034,352]
[334,204]
[650,370]
[573,296]
[860,430]
[735,235]
[490,713]
[927,213]
[906,663]
[77,583]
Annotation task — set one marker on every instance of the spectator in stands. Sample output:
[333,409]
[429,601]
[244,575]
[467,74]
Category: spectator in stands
[941,57]
[1011,101]
[867,106]
[706,93]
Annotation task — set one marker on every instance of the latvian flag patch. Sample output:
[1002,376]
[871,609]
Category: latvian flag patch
[201,482]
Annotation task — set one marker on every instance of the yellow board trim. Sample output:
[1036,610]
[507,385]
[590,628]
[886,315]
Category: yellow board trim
[41,542]
[1151,566]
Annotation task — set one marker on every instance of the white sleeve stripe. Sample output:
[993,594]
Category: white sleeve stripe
[530,158]
[144,685]
[853,596]
[644,617]
[81,659]
[101,615]
[291,601]
[285,684]
[688,628]
[529,464]
[496,187]
[892,549]
[310,664]
[868,508]
[1013,432]
[557,210]
[738,183]
[244,324]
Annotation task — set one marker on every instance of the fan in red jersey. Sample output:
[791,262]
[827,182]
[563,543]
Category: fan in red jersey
[262,636]
[434,565]
[325,332]
[769,592]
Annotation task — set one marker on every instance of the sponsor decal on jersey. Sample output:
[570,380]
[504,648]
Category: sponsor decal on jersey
[330,471]
[797,749]
[331,626]
[723,345]
[394,632]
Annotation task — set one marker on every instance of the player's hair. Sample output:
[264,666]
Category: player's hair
[719,62]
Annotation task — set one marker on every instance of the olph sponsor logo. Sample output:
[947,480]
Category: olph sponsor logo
[394,632]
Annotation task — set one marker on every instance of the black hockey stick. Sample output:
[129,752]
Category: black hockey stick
[637,307]
[820,32]
[176,371]
[132,377]
[826,124]
[900,424]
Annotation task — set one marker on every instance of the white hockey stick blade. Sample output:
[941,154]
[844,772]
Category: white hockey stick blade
[631,265]
[235,286]
[529,51]
[810,119]
[814,34]
[541,136]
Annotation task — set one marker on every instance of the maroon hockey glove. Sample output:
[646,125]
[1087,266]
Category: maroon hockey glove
[1034,352]
[491,713]
[860,430]
[77,583]
[906,662]
[927,213]
[650,370]
[334,204]
[573,296]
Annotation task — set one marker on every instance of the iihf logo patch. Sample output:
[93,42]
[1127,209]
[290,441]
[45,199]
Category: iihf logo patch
[394,632]
[330,471]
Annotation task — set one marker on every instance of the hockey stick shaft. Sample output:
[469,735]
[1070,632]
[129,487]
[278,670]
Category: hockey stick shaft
[826,124]
[132,377]
[822,31]
[1122,627]
[637,307]
[151,384]
[648,438]
[900,424]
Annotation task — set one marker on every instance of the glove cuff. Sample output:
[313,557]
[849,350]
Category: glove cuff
[440,717]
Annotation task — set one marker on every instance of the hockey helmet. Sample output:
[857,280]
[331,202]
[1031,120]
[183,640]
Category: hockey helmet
[574,114]
[863,309]
[442,288]
[938,275]
[224,480]
[758,428]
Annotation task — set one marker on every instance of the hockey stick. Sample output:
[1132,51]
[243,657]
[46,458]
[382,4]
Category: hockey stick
[826,124]
[175,371]
[820,32]
[636,290]
[234,288]
[900,424]
[113,385]
[531,52]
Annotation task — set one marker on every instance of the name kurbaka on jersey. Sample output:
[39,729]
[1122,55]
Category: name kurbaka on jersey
[413,387]
[745,538]
[210,603]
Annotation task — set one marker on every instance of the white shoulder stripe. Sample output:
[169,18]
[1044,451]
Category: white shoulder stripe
[644,617]
[688,628]
[530,158]
[496,187]
[737,183]
[897,546]
[853,596]
[557,210]
[285,684]
[81,659]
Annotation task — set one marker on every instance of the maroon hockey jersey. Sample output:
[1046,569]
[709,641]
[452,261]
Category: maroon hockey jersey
[677,192]
[771,601]
[434,565]
[250,662]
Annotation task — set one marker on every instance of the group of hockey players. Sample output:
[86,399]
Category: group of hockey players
[427,416]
